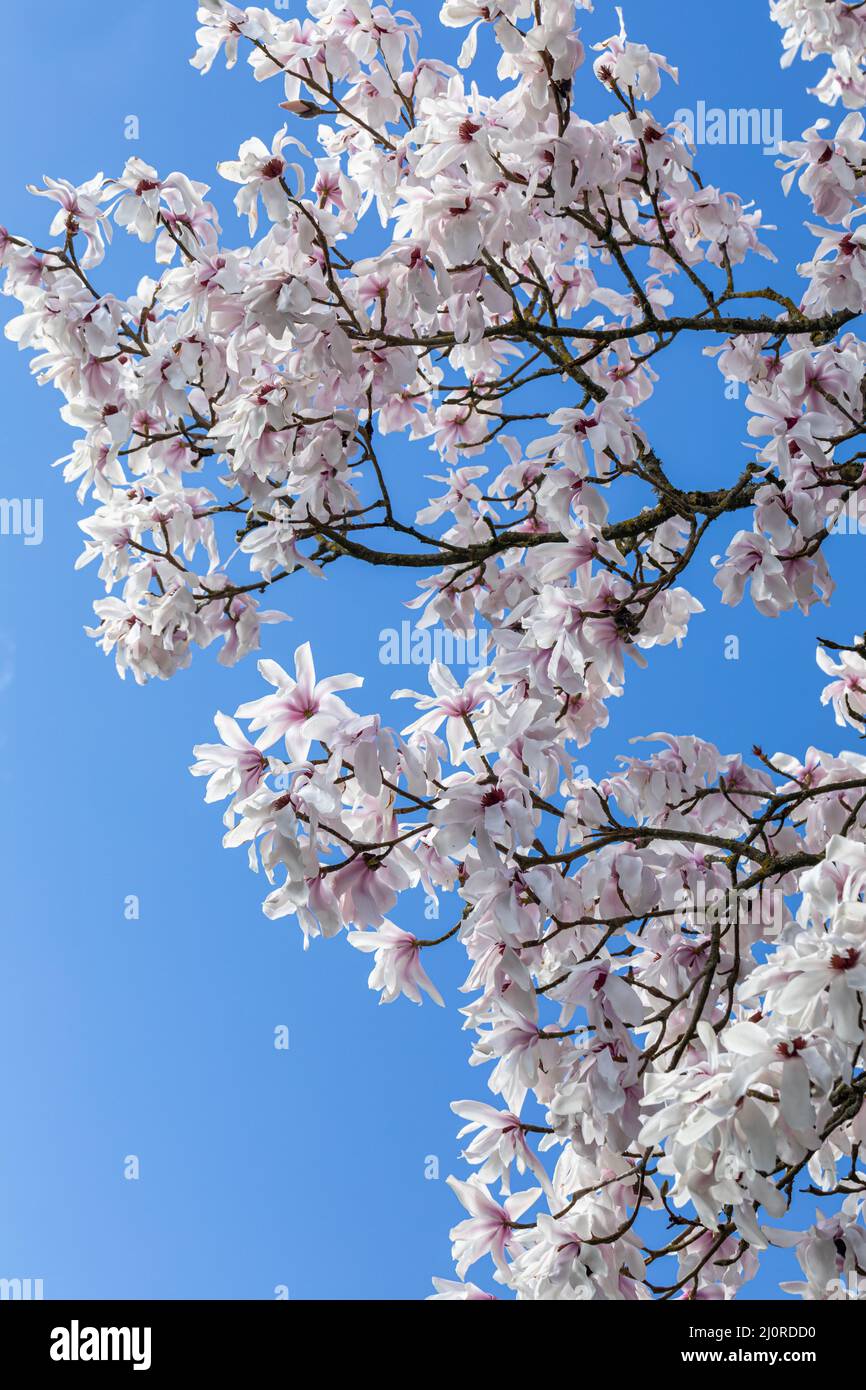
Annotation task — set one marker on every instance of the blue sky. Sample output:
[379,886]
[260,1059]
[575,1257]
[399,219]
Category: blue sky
[154,1037]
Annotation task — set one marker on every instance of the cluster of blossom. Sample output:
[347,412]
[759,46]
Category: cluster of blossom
[233,414]
[636,1039]
[834,29]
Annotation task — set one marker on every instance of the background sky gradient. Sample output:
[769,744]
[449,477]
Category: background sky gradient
[154,1037]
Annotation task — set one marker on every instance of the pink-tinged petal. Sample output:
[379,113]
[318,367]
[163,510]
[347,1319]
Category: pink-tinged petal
[348,681]
[274,674]
[746,1039]
[305,671]
[520,1203]
[231,732]
[367,770]
[794,1095]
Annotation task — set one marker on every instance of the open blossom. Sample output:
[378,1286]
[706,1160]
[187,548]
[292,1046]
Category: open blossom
[262,173]
[489,1228]
[819,976]
[829,166]
[450,704]
[302,710]
[235,765]
[79,211]
[483,812]
[368,887]
[397,969]
[826,28]
[632,65]
[500,1141]
[831,1253]
[847,691]
[222,25]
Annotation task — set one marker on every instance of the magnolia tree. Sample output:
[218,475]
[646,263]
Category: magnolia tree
[666,967]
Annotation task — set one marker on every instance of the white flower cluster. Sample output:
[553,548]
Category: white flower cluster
[658,1067]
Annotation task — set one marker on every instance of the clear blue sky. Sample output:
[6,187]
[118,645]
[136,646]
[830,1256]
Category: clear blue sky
[155,1038]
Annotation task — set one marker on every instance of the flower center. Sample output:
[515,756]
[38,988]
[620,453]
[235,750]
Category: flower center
[274,168]
[846,961]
